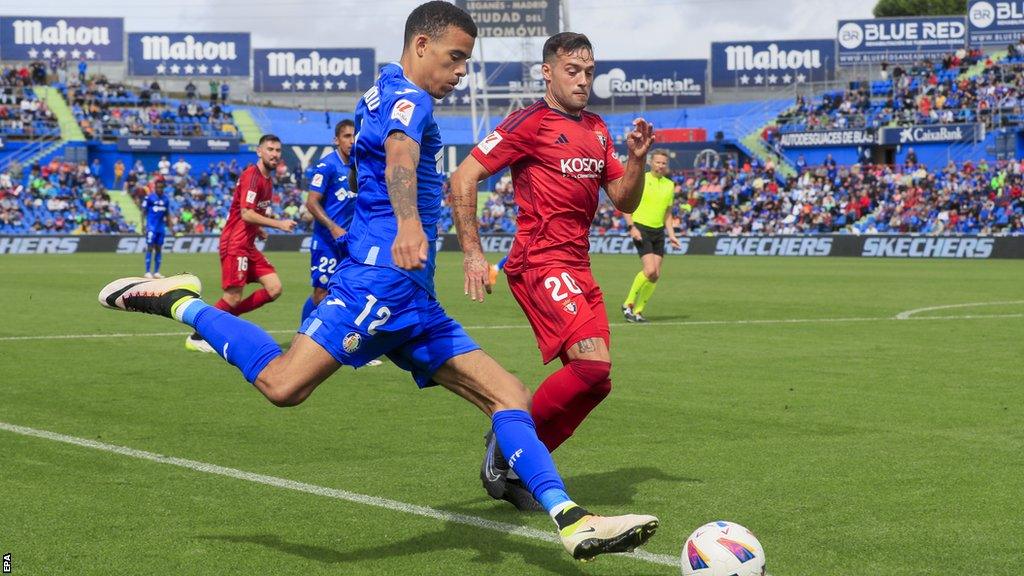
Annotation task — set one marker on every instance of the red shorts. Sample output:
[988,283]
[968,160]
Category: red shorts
[564,305]
[241,267]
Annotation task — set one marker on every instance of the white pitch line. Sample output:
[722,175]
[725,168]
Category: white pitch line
[907,314]
[394,505]
[650,325]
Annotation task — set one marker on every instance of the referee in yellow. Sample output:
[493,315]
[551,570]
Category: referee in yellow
[648,225]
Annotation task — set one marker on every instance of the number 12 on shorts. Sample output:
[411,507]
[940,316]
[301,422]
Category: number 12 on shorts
[383,314]
[555,284]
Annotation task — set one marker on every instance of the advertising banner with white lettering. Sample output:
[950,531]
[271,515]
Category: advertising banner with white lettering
[827,138]
[313,69]
[939,133]
[768,64]
[994,22]
[32,37]
[675,82]
[957,247]
[899,39]
[185,145]
[188,54]
[513,18]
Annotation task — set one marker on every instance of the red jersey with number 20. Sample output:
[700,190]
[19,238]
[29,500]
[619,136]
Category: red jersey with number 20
[253,191]
[559,162]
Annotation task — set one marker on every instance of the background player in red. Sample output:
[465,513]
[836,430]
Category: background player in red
[560,156]
[241,262]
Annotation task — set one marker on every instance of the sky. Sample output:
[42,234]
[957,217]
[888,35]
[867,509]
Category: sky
[619,29]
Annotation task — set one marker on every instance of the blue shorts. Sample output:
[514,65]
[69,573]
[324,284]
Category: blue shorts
[374,311]
[154,238]
[325,256]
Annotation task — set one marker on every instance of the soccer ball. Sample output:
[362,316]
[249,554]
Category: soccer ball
[722,549]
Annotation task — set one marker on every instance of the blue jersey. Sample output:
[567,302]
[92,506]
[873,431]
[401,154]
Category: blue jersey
[155,209]
[394,104]
[330,178]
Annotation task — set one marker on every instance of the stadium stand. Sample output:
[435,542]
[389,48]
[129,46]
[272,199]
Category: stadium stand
[57,198]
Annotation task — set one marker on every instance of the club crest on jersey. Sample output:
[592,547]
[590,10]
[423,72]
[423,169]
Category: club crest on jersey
[403,111]
[570,307]
[601,138]
[352,342]
[488,143]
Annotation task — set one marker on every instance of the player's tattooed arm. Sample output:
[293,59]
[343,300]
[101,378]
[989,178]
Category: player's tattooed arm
[467,226]
[402,157]
[409,250]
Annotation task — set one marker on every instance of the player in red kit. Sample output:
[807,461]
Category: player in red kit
[560,156]
[241,262]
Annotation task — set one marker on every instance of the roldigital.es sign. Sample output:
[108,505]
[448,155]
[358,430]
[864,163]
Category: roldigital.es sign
[313,69]
[513,18]
[31,37]
[182,54]
[994,22]
[676,82]
[772,63]
[899,39]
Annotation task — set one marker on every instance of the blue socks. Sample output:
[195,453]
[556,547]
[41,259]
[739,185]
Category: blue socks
[149,260]
[501,263]
[517,438]
[307,309]
[159,257]
[242,343]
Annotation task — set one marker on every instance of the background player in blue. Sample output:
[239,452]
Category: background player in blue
[381,299]
[332,204]
[155,208]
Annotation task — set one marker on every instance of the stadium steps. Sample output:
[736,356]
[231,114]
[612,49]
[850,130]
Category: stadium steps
[251,131]
[70,131]
[129,209]
[753,145]
[978,68]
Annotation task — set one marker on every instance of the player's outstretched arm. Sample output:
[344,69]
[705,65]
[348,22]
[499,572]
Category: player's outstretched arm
[402,153]
[625,192]
[254,217]
[467,226]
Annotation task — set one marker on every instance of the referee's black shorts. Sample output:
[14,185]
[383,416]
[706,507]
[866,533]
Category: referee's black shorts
[652,240]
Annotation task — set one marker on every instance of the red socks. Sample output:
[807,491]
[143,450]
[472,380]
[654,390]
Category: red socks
[566,397]
[254,301]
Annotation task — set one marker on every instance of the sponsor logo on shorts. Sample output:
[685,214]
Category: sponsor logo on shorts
[352,342]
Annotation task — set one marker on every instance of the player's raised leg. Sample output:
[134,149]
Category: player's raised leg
[478,378]
[285,378]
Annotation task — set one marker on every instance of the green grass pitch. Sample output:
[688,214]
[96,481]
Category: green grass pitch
[778,393]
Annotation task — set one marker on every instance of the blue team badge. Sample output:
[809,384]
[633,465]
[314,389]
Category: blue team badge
[352,342]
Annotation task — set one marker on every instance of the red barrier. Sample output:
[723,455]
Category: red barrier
[681,135]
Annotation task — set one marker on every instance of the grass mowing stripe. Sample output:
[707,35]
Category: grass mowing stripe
[900,316]
[286,484]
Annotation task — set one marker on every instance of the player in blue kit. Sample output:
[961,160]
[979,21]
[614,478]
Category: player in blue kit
[381,300]
[156,209]
[332,205]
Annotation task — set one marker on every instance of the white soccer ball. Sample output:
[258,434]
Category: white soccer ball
[722,549]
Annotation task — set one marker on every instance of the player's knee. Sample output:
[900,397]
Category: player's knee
[594,372]
[283,395]
[652,274]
